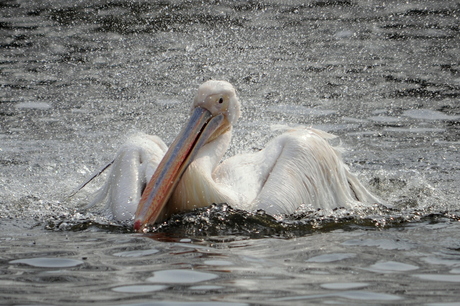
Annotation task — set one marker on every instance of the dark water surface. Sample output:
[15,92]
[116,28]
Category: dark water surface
[78,77]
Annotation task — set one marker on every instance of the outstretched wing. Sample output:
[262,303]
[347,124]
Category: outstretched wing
[310,171]
[297,167]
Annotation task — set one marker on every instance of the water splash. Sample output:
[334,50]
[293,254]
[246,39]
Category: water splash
[221,220]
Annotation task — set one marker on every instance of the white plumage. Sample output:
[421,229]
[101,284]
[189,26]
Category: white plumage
[133,166]
[298,167]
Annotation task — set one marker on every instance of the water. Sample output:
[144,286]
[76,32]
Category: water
[77,78]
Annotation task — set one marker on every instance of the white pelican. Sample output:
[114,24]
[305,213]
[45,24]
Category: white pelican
[297,167]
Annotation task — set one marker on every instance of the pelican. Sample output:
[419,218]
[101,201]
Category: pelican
[150,182]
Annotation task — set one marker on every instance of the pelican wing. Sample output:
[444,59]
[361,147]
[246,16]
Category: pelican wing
[134,165]
[297,167]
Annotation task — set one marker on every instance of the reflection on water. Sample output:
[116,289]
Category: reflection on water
[218,263]
[139,288]
[174,303]
[352,295]
[385,244]
[180,276]
[331,257]
[77,77]
[344,286]
[48,262]
[391,266]
[206,288]
[136,253]
[336,266]
[439,277]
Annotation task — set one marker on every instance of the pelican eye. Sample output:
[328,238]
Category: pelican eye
[221,100]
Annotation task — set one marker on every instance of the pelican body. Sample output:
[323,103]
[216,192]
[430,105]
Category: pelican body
[150,182]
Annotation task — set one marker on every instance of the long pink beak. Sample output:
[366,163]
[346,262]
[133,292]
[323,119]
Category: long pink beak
[201,125]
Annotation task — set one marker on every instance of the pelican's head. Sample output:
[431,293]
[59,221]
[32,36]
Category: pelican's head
[215,108]
[218,97]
